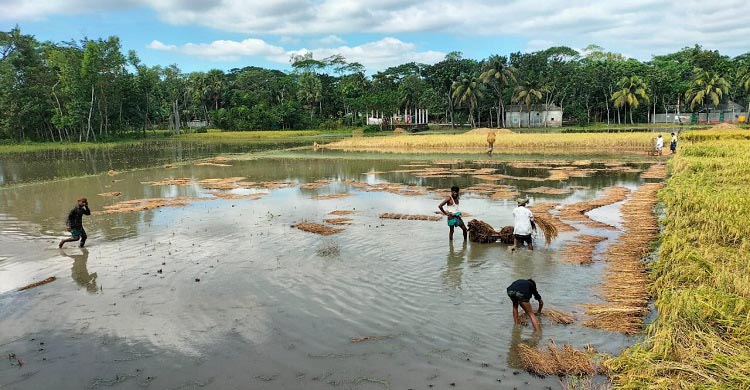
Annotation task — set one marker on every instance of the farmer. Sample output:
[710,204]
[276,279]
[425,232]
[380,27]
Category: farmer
[520,293]
[75,223]
[659,144]
[454,216]
[673,144]
[523,224]
[490,142]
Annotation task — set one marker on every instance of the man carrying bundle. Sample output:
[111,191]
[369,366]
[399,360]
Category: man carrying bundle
[490,142]
[523,224]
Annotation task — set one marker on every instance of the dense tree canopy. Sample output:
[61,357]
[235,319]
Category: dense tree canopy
[90,90]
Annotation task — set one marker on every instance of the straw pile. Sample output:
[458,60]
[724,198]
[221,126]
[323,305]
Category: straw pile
[37,284]
[626,279]
[277,184]
[342,212]
[581,251]
[338,221]
[482,232]
[546,208]
[170,182]
[227,183]
[332,196]
[577,211]
[506,193]
[556,361]
[316,228]
[211,164]
[548,191]
[112,172]
[399,130]
[725,126]
[556,317]
[224,195]
[411,217]
[133,205]
[110,194]
[315,185]
[656,171]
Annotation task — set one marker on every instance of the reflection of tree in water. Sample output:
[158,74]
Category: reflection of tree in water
[514,360]
[80,272]
[453,273]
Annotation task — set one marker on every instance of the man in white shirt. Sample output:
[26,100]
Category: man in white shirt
[659,144]
[523,224]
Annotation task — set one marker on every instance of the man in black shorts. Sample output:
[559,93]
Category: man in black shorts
[523,224]
[520,293]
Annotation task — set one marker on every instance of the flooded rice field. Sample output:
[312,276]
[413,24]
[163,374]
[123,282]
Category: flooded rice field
[194,275]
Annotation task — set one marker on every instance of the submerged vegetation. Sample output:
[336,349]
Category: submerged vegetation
[701,338]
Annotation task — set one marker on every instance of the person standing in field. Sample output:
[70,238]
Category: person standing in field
[520,293]
[454,216]
[673,144]
[74,223]
[659,144]
[523,224]
[490,142]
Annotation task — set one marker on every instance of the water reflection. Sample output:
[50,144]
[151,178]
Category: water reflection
[79,271]
[532,340]
[453,274]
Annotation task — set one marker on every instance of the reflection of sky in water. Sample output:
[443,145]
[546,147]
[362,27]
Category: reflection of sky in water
[273,286]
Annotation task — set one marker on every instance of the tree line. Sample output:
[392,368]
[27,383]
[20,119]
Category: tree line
[89,90]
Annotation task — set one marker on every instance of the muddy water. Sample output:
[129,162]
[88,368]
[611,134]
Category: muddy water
[226,294]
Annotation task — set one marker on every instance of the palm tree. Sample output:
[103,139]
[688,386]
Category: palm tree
[466,90]
[745,85]
[706,85]
[529,92]
[631,93]
[497,74]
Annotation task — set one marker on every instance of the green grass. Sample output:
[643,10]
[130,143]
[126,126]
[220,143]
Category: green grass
[701,279]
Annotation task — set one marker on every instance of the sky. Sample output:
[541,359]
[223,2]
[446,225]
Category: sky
[199,35]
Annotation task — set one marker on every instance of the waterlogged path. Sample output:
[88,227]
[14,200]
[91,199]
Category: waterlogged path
[224,293]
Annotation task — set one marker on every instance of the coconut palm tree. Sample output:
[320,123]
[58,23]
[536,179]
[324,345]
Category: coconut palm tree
[310,91]
[466,91]
[529,92]
[497,74]
[706,85]
[631,93]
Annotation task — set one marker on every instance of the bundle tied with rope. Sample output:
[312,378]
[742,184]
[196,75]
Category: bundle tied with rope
[482,232]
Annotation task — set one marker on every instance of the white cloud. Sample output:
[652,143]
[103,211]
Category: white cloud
[641,27]
[331,40]
[223,50]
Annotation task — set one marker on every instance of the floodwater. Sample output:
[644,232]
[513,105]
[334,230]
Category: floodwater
[225,294]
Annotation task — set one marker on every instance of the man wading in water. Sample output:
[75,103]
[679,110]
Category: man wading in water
[75,223]
[523,224]
[520,293]
[454,216]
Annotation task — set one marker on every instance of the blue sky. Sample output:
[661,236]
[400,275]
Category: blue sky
[205,34]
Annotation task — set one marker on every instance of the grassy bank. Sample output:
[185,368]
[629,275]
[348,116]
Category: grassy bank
[511,143]
[214,136]
[700,280]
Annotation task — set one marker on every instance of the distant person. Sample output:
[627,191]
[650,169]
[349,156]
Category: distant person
[659,144]
[520,293]
[75,223]
[523,224]
[673,144]
[454,216]
[490,142]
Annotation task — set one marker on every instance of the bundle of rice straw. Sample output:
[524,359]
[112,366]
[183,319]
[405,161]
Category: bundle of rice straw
[480,231]
[547,227]
[558,361]
[556,317]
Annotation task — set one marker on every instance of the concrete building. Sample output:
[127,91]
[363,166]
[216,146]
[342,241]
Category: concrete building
[537,115]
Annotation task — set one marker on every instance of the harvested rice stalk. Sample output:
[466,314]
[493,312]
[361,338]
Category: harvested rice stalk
[210,164]
[316,228]
[655,171]
[547,227]
[170,182]
[111,194]
[224,195]
[37,284]
[581,250]
[129,206]
[277,184]
[577,211]
[416,217]
[332,196]
[544,210]
[338,221]
[342,212]
[556,361]
[556,317]
[315,185]
[548,190]
[626,279]
[480,231]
